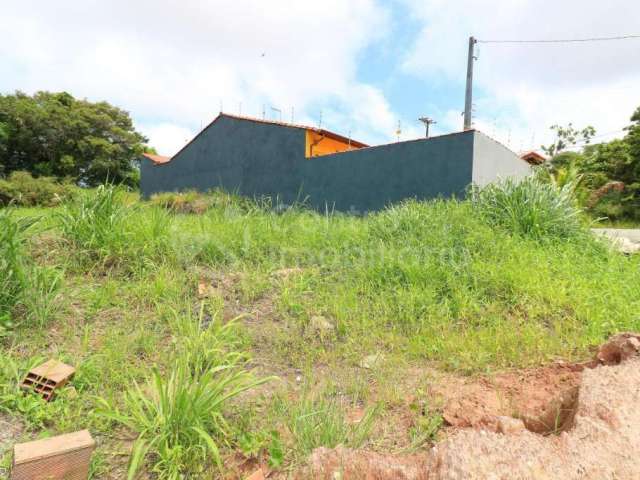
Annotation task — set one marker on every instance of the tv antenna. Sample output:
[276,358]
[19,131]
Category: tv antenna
[277,110]
[427,122]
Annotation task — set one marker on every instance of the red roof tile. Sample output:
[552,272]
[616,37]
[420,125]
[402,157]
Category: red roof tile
[157,159]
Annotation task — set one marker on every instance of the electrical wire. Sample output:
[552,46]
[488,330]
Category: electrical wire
[565,40]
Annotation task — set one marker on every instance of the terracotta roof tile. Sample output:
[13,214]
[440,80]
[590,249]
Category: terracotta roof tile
[157,159]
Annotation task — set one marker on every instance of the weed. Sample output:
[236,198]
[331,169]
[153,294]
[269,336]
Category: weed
[530,207]
[105,229]
[22,283]
[321,422]
[179,417]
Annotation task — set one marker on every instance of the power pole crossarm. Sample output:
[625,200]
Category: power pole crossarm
[468,97]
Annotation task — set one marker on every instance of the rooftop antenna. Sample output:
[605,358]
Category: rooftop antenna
[320,122]
[399,131]
[349,137]
[264,113]
[427,122]
[274,109]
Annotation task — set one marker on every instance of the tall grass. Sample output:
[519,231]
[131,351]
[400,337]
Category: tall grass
[106,230]
[179,415]
[27,291]
[321,422]
[12,265]
[530,207]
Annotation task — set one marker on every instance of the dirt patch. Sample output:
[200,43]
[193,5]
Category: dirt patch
[10,432]
[601,441]
[543,398]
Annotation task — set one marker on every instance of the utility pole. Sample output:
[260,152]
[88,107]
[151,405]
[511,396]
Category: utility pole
[427,121]
[468,97]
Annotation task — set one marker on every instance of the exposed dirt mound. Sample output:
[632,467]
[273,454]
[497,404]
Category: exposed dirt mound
[542,398]
[600,441]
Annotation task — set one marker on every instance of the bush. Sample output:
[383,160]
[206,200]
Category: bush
[24,190]
[530,207]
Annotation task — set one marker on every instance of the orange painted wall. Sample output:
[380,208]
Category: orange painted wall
[318,145]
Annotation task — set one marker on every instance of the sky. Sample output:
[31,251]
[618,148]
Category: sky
[363,68]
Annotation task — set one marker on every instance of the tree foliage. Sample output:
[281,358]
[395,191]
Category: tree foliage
[57,135]
[609,171]
[567,137]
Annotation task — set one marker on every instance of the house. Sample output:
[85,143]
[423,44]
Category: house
[533,158]
[293,163]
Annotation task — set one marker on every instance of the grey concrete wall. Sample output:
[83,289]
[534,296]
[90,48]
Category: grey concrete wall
[371,178]
[244,157]
[492,160]
[257,159]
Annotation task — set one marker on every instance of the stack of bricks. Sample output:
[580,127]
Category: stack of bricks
[65,457]
[48,377]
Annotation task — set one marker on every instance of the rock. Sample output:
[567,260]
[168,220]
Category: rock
[372,361]
[257,475]
[287,272]
[321,325]
[509,425]
[627,246]
[619,348]
[206,290]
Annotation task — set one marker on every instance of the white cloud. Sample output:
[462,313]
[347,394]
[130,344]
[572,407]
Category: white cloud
[166,137]
[521,90]
[175,62]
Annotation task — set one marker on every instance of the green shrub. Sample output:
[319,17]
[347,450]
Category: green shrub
[529,207]
[24,190]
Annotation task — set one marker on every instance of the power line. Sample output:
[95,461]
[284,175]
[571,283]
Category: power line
[565,40]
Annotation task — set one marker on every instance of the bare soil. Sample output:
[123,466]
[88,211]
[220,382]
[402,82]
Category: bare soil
[600,440]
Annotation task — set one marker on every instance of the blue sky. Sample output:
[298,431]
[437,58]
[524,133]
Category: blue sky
[365,64]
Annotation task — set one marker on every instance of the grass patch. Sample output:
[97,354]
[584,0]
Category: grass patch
[494,282]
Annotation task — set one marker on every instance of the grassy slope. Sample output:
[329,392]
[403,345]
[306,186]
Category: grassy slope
[422,282]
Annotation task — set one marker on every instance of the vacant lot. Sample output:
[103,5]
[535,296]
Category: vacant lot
[214,335]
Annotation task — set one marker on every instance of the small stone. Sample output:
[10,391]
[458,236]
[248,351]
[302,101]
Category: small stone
[257,475]
[320,324]
[509,425]
[372,361]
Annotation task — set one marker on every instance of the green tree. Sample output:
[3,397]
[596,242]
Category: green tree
[55,134]
[567,137]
